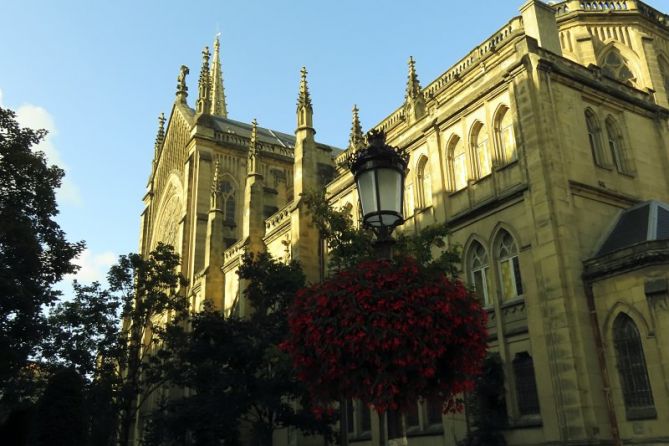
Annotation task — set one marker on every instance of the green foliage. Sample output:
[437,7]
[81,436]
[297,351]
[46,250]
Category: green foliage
[115,338]
[235,370]
[34,254]
[349,245]
[84,331]
[61,411]
[486,407]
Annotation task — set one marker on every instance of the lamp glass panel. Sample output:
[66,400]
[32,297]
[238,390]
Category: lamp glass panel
[367,192]
[390,190]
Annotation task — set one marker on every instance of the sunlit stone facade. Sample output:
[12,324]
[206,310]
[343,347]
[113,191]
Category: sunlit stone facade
[542,148]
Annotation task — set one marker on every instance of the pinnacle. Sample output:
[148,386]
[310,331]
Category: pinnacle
[356,140]
[303,100]
[413,85]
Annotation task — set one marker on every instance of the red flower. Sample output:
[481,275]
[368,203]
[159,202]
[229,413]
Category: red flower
[387,333]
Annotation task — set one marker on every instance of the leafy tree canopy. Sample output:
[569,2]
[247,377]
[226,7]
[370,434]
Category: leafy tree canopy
[237,373]
[34,254]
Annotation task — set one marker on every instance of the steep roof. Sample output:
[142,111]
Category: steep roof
[647,221]
[264,135]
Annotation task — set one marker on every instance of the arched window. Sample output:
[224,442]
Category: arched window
[594,137]
[616,146]
[631,364]
[664,72]
[481,150]
[505,138]
[526,384]
[227,192]
[458,159]
[424,183]
[478,267]
[509,267]
[616,66]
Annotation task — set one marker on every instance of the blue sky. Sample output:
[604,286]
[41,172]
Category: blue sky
[98,73]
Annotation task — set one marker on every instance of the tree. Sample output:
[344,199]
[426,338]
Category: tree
[34,254]
[115,338]
[61,417]
[237,374]
[486,406]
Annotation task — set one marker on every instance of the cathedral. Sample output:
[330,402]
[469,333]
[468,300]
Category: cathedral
[545,149]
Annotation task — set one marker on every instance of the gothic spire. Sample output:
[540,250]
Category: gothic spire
[253,148]
[413,86]
[218,105]
[303,100]
[356,140]
[182,88]
[204,85]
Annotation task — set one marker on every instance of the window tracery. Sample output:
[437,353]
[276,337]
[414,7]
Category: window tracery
[478,263]
[594,137]
[616,66]
[616,145]
[631,363]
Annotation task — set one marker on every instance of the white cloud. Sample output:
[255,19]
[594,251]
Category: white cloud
[37,117]
[93,267]
[1,98]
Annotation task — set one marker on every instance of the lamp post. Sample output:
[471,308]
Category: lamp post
[379,171]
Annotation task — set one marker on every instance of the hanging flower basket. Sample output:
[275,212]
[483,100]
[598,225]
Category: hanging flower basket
[388,333]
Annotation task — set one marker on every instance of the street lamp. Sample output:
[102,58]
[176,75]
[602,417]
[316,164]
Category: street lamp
[379,172]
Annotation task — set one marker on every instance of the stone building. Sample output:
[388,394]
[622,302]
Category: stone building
[545,149]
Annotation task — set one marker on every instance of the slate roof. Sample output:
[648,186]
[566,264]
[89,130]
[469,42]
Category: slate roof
[644,222]
[264,135]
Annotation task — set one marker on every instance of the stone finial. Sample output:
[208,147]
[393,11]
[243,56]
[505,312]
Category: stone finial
[356,140]
[218,105]
[303,99]
[413,86]
[204,84]
[253,148]
[182,88]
